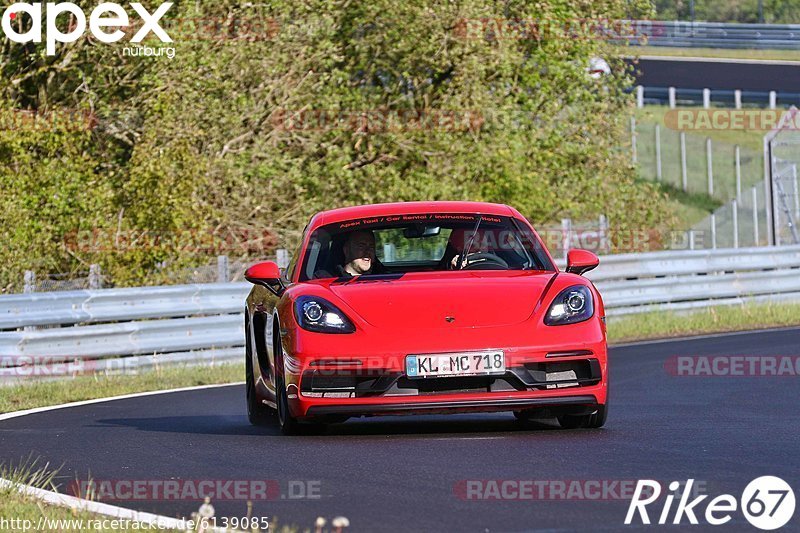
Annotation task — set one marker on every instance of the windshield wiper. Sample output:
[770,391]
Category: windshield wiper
[468,247]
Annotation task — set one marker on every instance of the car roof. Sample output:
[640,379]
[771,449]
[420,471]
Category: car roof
[409,208]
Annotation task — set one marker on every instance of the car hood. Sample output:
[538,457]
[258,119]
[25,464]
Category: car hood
[444,300]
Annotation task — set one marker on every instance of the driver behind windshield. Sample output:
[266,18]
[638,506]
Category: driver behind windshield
[359,254]
[460,239]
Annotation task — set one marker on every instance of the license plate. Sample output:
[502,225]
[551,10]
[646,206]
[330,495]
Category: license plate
[456,364]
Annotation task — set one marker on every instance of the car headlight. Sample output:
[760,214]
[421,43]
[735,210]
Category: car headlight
[572,305]
[319,315]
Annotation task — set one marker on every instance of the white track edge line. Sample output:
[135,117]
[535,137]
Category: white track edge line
[121,513]
[16,414]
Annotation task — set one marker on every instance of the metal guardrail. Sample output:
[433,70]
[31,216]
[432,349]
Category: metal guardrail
[124,329]
[715,34]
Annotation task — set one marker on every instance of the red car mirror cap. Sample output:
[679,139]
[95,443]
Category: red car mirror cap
[581,261]
[267,274]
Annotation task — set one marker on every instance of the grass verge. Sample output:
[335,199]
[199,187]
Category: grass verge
[780,55]
[28,395]
[21,512]
[24,512]
[658,325]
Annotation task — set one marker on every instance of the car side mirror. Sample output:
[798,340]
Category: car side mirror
[266,274]
[581,261]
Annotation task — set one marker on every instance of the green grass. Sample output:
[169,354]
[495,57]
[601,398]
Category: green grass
[719,319]
[41,393]
[27,511]
[784,55]
[695,204]
[689,208]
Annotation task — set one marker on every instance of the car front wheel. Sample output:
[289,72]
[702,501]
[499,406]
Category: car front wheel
[258,413]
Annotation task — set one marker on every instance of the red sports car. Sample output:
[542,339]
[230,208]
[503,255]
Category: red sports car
[424,307]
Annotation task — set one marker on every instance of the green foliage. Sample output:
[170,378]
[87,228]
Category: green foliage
[213,139]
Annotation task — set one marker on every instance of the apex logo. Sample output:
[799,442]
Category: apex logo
[105,15]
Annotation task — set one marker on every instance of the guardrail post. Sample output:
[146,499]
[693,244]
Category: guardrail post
[684,175]
[223,275]
[605,245]
[737,99]
[755,216]
[710,165]
[735,220]
[30,282]
[796,195]
[633,140]
[282,258]
[95,278]
[706,98]
[671,97]
[737,161]
[773,100]
[639,96]
[658,152]
[566,230]
[691,239]
[713,231]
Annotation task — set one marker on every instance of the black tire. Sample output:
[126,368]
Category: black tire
[591,421]
[257,413]
[289,424]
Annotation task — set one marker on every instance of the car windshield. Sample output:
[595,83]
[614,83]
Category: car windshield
[422,243]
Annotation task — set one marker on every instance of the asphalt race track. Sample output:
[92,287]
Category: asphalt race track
[408,473]
[719,74]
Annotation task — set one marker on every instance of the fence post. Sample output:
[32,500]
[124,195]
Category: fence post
[605,245]
[737,98]
[713,231]
[710,165]
[222,269]
[633,140]
[566,230]
[95,279]
[639,96]
[706,98]
[755,215]
[735,215]
[282,258]
[773,99]
[672,97]
[737,156]
[30,282]
[658,152]
[796,193]
[684,176]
